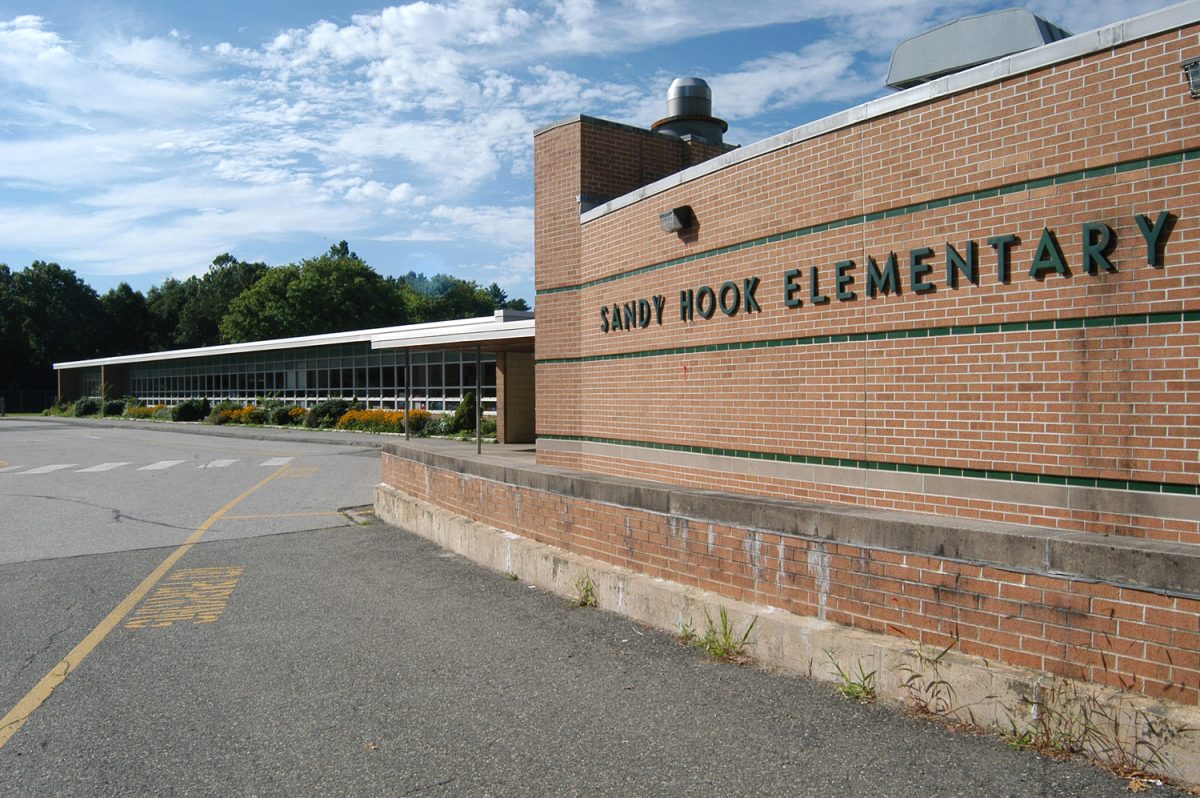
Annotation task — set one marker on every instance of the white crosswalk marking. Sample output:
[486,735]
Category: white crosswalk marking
[101,467]
[10,468]
[46,469]
[276,461]
[160,465]
[218,464]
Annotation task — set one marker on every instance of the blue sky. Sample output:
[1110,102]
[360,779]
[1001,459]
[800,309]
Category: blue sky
[138,140]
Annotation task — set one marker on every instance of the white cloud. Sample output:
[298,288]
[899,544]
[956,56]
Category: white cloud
[421,234]
[358,190]
[506,227]
[156,56]
[513,269]
[149,79]
[822,71]
[451,154]
[171,224]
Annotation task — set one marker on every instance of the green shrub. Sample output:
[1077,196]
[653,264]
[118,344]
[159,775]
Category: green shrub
[278,413]
[114,407]
[419,420]
[464,414]
[327,413]
[190,410]
[163,412]
[251,414]
[487,427]
[88,406]
[222,412]
[438,425]
[61,407]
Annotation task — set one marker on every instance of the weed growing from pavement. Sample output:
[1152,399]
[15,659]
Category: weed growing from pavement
[687,633]
[511,576]
[1061,720]
[857,684]
[1069,719]
[585,591]
[929,693]
[720,639]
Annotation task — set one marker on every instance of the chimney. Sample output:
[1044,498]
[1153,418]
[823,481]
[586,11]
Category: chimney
[689,113]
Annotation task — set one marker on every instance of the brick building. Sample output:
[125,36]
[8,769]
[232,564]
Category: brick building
[927,368]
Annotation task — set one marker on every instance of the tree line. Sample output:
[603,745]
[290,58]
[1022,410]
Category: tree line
[48,314]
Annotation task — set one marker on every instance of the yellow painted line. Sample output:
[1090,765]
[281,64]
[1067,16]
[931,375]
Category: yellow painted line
[278,515]
[17,716]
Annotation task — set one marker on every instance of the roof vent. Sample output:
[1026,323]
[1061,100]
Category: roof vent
[968,42]
[689,113]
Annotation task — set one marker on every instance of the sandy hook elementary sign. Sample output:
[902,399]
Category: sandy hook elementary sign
[1099,242]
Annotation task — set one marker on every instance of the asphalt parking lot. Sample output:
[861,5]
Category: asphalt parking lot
[298,648]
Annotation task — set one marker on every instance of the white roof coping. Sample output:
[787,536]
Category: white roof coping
[464,330]
[1082,44]
[479,334]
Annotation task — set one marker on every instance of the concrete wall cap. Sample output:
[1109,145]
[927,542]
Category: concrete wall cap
[1155,565]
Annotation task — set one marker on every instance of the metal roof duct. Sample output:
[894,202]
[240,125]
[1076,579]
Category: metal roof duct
[968,42]
[689,112]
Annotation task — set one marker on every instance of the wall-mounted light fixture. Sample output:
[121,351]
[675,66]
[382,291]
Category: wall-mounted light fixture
[677,220]
[1191,72]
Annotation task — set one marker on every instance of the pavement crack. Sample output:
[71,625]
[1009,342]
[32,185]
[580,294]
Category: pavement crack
[117,515]
[49,642]
[431,785]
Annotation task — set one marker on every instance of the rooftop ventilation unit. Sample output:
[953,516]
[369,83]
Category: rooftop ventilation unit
[689,112]
[968,42]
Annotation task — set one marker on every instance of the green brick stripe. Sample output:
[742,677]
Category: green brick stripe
[902,210]
[889,335]
[879,465]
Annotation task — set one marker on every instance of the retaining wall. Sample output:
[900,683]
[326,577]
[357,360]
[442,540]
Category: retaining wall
[1021,610]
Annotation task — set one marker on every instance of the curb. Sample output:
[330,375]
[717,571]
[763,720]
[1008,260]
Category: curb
[958,687]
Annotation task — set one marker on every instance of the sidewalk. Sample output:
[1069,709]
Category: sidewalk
[334,437]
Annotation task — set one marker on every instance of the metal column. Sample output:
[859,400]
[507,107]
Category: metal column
[407,389]
[478,402]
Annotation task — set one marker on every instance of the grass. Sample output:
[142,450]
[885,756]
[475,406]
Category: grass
[856,684]
[1068,719]
[585,591]
[720,639]
[929,693]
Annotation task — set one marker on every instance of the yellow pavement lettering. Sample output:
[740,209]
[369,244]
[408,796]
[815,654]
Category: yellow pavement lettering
[16,717]
[198,595]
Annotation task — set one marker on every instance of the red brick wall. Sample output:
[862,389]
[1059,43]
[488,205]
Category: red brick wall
[1120,636]
[593,160]
[1086,403]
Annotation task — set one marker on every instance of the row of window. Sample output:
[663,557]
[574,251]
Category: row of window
[437,380]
